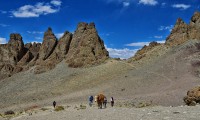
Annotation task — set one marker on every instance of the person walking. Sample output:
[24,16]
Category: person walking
[105,102]
[112,101]
[91,100]
[54,104]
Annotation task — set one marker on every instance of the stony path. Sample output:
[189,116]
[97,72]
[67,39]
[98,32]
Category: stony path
[117,113]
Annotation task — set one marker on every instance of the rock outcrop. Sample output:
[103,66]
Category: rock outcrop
[142,52]
[180,34]
[14,50]
[86,47]
[183,32]
[62,47]
[48,45]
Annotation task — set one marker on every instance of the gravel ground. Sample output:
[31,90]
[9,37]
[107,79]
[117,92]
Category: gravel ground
[115,113]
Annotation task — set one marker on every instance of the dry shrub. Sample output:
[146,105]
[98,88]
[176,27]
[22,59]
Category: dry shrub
[59,108]
[144,104]
[82,107]
[31,107]
[10,112]
[44,109]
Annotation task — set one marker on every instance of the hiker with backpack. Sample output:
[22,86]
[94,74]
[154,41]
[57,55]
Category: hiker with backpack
[90,100]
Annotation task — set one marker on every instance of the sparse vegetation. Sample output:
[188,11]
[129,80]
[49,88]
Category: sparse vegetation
[10,112]
[59,108]
[44,109]
[144,104]
[82,106]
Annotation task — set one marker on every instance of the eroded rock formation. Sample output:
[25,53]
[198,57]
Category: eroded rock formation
[84,48]
[183,32]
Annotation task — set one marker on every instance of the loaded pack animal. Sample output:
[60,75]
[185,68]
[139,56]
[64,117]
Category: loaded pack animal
[99,99]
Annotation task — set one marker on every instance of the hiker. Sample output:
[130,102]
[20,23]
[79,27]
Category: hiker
[90,100]
[112,101]
[54,104]
[105,102]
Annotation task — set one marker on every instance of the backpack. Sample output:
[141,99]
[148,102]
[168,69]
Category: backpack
[91,98]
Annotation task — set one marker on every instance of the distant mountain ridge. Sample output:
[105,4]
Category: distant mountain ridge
[83,48]
[180,34]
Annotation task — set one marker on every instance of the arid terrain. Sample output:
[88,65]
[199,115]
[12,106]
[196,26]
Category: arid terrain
[158,76]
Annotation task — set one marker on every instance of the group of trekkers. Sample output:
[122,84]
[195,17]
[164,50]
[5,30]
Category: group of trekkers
[101,100]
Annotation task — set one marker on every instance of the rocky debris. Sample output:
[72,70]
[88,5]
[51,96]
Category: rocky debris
[48,45]
[183,32]
[86,47]
[193,96]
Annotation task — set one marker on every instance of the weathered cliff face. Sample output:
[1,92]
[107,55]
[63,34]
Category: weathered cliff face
[86,47]
[16,46]
[48,44]
[62,47]
[10,55]
[183,32]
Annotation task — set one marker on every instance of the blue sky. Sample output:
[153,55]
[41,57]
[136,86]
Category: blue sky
[124,25]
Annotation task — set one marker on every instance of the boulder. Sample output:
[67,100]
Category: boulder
[193,96]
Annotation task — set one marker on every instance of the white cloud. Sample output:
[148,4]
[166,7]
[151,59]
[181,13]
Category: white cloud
[38,38]
[161,28]
[56,2]
[126,4]
[36,10]
[137,44]
[181,6]
[35,32]
[141,44]
[158,37]
[3,12]
[3,40]
[148,2]
[121,53]
[4,25]
[126,53]
[36,42]
[161,41]
[59,35]
[163,4]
